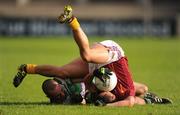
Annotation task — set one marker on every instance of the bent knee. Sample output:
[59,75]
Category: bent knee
[141,90]
[145,89]
[86,56]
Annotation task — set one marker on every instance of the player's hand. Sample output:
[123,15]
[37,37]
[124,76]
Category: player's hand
[76,98]
[102,73]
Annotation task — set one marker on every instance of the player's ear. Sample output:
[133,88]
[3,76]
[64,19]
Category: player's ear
[107,96]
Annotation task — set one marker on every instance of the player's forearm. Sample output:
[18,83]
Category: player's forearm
[119,103]
[127,102]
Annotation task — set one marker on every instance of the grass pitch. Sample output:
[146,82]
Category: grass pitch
[155,62]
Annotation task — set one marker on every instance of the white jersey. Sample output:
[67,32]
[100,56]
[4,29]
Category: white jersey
[115,53]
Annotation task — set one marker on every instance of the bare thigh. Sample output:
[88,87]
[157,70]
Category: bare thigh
[75,69]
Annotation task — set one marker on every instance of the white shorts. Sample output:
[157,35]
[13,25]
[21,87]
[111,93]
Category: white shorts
[115,53]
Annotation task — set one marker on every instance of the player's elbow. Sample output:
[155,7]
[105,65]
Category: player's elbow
[131,101]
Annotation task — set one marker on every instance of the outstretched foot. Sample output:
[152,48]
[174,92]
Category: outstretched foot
[66,16]
[151,98]
[166,101]
[20,75]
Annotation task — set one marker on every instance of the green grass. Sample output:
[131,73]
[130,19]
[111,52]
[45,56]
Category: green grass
[155,62]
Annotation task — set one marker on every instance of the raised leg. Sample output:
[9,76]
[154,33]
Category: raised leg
[75,69]
[98,54]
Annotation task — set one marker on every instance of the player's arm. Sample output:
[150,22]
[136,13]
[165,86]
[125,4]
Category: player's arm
[129,101]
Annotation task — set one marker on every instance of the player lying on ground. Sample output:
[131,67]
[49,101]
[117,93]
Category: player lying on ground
[103,54]
[61,91]
[64,91]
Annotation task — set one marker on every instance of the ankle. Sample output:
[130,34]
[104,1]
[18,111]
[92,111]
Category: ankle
[74,24]
[71,19]
[30,68]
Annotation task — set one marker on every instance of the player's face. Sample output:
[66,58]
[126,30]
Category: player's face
[59,98]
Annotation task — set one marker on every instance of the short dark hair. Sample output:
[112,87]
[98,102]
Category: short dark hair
[53,91]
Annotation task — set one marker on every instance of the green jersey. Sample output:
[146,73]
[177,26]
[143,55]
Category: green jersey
[75,92]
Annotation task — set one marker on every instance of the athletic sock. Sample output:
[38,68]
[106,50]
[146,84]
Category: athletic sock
[30,68]
[74,24]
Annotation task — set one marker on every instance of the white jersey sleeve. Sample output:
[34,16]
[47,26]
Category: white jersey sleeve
[115,53]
